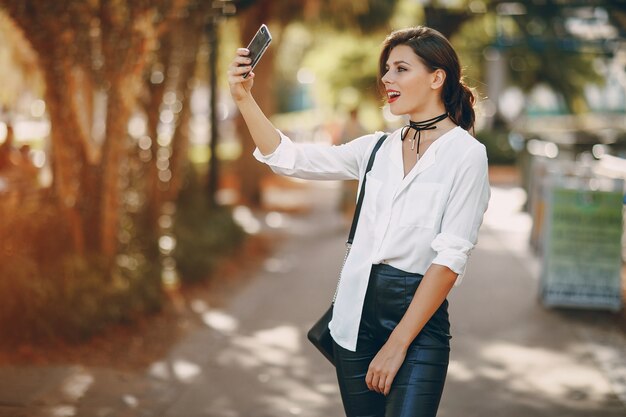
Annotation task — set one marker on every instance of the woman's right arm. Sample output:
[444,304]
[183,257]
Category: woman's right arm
[307,161]
[261,129]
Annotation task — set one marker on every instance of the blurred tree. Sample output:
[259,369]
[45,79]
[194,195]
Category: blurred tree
[533,41]
[447,20]
[169,82]
[347,67]
[20,71]
[91,49]
[539,43]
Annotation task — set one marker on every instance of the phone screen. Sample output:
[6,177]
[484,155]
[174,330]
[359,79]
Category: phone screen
[258,45]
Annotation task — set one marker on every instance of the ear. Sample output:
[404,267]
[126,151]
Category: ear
[439,77]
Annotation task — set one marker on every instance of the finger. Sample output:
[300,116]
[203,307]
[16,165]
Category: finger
[243,51]
[368,380]
[388,383]
[238,71]
[375,382]
[382,385]
[241,60]
[387,386]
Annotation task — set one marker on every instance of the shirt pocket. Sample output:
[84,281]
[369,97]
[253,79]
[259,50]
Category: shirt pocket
[370,201]
[421,205]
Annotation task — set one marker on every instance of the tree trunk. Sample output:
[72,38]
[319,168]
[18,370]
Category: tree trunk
[118,114]
[68,157]
[179,47]
[152,109]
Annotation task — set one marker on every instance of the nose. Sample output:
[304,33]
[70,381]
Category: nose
[385,78]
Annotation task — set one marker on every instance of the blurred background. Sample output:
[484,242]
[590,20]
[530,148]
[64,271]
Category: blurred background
[126,172]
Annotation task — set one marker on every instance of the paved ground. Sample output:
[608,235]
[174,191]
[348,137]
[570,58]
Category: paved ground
[511,357]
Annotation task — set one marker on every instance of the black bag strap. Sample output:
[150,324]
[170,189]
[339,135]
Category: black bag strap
[357,210]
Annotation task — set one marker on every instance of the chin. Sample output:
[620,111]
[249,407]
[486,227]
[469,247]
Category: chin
[396,111]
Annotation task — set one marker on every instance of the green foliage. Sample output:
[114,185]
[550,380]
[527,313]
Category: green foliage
[50,293]
[470,43]
[204,235]
[499,151]
[534,53]
[345,64]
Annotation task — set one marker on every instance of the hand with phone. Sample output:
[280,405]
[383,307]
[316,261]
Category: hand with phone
[240,73]
[239,86]
[240,79]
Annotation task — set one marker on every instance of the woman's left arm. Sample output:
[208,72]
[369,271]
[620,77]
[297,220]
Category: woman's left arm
[431,293]
[461,220]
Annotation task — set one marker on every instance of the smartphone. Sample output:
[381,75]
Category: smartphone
[258,45]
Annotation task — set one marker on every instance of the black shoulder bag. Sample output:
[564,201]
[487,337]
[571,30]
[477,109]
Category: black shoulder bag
[319,334]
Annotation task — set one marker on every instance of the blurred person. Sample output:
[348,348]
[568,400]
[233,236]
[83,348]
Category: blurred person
[351,129]
[9,157]
[9,172]
[425,197]
[27,173]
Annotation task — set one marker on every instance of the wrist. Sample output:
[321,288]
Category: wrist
[400,340]
[243,100]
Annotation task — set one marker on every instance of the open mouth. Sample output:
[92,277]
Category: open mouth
[392,95]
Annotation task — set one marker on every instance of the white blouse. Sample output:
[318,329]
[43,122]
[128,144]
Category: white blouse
[430,216]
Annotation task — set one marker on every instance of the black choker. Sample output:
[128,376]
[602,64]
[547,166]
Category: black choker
[418,127]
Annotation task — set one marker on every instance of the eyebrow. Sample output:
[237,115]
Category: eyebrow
[398,62]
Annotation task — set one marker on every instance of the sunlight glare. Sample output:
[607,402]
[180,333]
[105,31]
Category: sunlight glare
[275,265]
[39,158]
[459,371]
[220,321]
[38,108]
[130,400]
[63,411]
[275,219]
[76,386]
[532,369]
[244,217]
[199,306]
[159,370]
[285,337]
[186,371]
[137,126]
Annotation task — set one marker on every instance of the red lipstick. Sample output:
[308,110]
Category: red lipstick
[392,95]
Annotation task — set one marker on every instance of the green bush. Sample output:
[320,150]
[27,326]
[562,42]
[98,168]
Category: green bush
[47,292]
[204,235]
[71,299]
[499,150]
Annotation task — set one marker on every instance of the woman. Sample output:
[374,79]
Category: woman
[424,202]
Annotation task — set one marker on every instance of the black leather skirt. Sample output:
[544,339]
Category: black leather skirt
[418,385]
[389,293]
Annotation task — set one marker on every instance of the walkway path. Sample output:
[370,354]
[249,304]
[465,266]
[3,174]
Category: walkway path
[511,357]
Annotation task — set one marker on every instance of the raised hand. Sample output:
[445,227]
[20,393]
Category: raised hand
[240,87]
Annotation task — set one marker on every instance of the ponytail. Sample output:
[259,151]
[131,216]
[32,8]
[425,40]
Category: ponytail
[459,102]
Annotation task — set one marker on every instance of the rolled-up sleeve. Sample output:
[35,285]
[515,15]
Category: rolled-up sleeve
[284,156]
[316,161]
[463,213]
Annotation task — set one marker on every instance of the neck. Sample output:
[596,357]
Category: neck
[421,125]
[428,123]
[428,113]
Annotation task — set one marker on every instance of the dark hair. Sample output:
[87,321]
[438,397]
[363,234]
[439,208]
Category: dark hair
[435,52]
